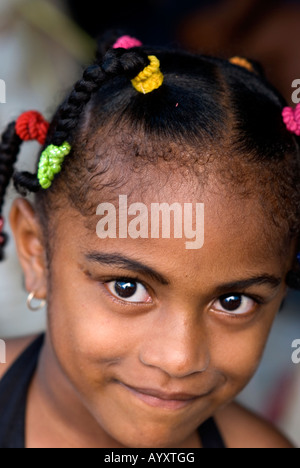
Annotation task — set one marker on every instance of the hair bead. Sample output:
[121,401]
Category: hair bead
[150,78]
[291,118]
[242,62]
[51,163]
[31,125]
[127,42]
[2,236]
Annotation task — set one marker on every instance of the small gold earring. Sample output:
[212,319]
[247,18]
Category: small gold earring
[35,308]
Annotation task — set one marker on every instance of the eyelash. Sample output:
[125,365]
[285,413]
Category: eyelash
[258,300]
[132,279]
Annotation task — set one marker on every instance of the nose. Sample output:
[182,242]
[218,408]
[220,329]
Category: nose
[176,344]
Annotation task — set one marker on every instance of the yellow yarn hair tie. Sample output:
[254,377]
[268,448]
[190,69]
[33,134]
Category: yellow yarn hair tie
[150,78]
[242,62]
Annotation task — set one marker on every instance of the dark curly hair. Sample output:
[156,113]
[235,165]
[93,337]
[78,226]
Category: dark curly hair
[206,105]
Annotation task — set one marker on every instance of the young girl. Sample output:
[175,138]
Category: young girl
[149,342]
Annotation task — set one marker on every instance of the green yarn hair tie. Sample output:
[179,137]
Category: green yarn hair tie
[51,163]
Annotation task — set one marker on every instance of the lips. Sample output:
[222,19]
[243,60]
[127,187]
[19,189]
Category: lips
[165,396]
[160,399]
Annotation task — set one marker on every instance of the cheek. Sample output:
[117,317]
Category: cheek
[87,337]
[237,354]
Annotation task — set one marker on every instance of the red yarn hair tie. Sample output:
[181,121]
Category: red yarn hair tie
[32,126]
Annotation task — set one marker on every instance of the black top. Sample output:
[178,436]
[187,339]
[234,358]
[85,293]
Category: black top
[13,395]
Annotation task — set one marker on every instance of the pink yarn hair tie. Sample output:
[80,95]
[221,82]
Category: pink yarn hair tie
[2,236]
[127,42]
[291,118]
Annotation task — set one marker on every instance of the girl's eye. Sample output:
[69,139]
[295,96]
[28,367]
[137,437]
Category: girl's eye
[129,291]
[235,304]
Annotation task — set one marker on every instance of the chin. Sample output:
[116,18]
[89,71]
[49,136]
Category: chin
[149,443]
[153,438]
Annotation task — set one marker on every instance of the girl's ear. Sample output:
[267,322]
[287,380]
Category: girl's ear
[31,251]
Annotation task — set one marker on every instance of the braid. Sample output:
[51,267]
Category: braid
[293,280]
[116,62]
[9,149]
[106,41]
[26,182]
[293,276]
[71,109]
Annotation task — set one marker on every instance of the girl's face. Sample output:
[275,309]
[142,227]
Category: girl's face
[153,337]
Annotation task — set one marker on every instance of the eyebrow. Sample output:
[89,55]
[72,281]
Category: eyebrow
[126,263]
[263,280]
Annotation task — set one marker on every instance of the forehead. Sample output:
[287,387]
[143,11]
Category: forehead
[237,235]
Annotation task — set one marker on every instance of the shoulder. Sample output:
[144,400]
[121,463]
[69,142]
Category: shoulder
[14,349]
[243,429]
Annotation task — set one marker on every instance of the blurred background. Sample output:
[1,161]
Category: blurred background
[44,44]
